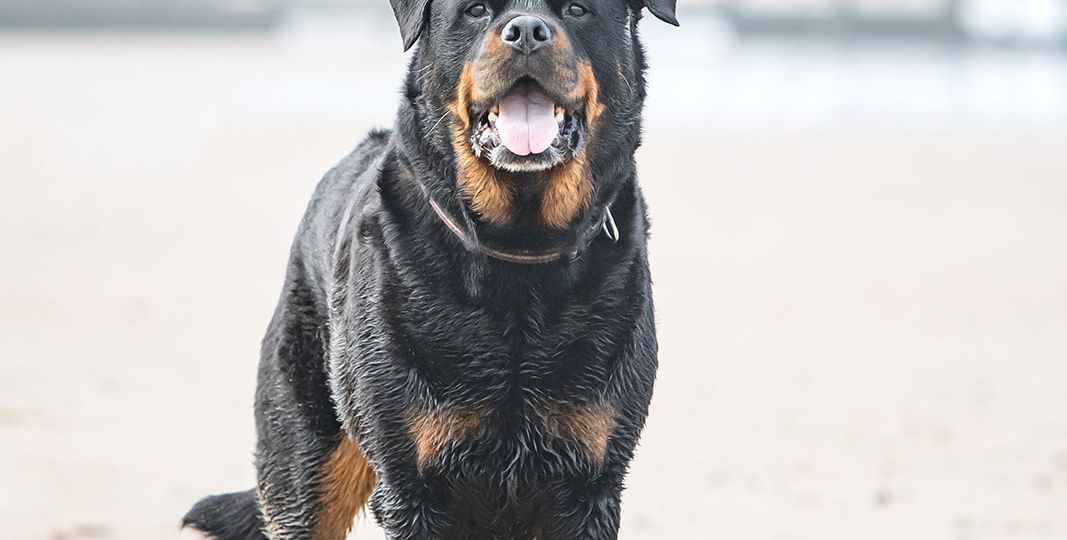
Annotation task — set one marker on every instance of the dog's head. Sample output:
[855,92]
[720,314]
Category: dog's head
[526,94]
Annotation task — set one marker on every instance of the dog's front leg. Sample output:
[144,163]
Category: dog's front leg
[585,509]
[411,510]
[412,500]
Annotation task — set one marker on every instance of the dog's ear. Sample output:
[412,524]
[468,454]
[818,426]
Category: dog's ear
[662,9]
[411,15]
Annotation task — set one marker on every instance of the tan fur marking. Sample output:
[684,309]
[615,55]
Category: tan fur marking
[347,483]
[589,91]
[492,59]
[431,432]
[570,186]
[563,62]
[590,426]
[478,181]
[567,191]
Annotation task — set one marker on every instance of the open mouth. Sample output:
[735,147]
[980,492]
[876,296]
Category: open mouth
[525,130]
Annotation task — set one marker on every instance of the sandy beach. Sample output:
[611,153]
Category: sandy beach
[862,315]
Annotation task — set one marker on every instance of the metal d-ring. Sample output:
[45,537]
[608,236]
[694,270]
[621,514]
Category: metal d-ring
[609,226]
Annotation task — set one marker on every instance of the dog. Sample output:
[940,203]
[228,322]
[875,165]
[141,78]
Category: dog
[465,340]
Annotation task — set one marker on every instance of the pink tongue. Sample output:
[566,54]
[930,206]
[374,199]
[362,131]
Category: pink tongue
[527,123]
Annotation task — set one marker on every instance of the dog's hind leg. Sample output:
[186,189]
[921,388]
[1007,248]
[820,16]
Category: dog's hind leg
[344,487]
[313,479]
[327,506]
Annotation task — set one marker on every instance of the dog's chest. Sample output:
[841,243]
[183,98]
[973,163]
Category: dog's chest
[518,353]
[521,385]
[512,389]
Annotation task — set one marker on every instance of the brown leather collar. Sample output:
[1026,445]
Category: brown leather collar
[569,253]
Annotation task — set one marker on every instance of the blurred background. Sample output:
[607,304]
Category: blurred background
[859,228]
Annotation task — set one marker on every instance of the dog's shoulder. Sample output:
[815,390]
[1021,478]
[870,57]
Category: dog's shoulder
[345,193]
[349,177]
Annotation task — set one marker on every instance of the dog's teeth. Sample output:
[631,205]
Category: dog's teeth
[494,110]
[492,117]
[559,114]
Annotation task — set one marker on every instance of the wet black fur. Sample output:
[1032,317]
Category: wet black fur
[384,312]
[230,515]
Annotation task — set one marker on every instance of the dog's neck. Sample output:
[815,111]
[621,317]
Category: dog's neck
[419,176]
[518,244]
[423,140]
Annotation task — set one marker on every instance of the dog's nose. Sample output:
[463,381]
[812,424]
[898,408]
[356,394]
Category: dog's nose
[526,34]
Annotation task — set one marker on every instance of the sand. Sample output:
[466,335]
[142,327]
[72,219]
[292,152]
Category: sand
[863,324]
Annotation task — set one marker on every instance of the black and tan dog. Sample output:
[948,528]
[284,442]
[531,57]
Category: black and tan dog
[465,340]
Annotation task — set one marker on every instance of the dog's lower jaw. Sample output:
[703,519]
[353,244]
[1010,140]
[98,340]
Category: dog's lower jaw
[501,158]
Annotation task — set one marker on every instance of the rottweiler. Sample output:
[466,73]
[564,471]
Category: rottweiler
[465,340]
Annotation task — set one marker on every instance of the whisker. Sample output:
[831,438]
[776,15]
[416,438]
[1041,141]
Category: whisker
[439,120]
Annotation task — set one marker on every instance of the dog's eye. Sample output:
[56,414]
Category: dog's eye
[576,10]
[477,11]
